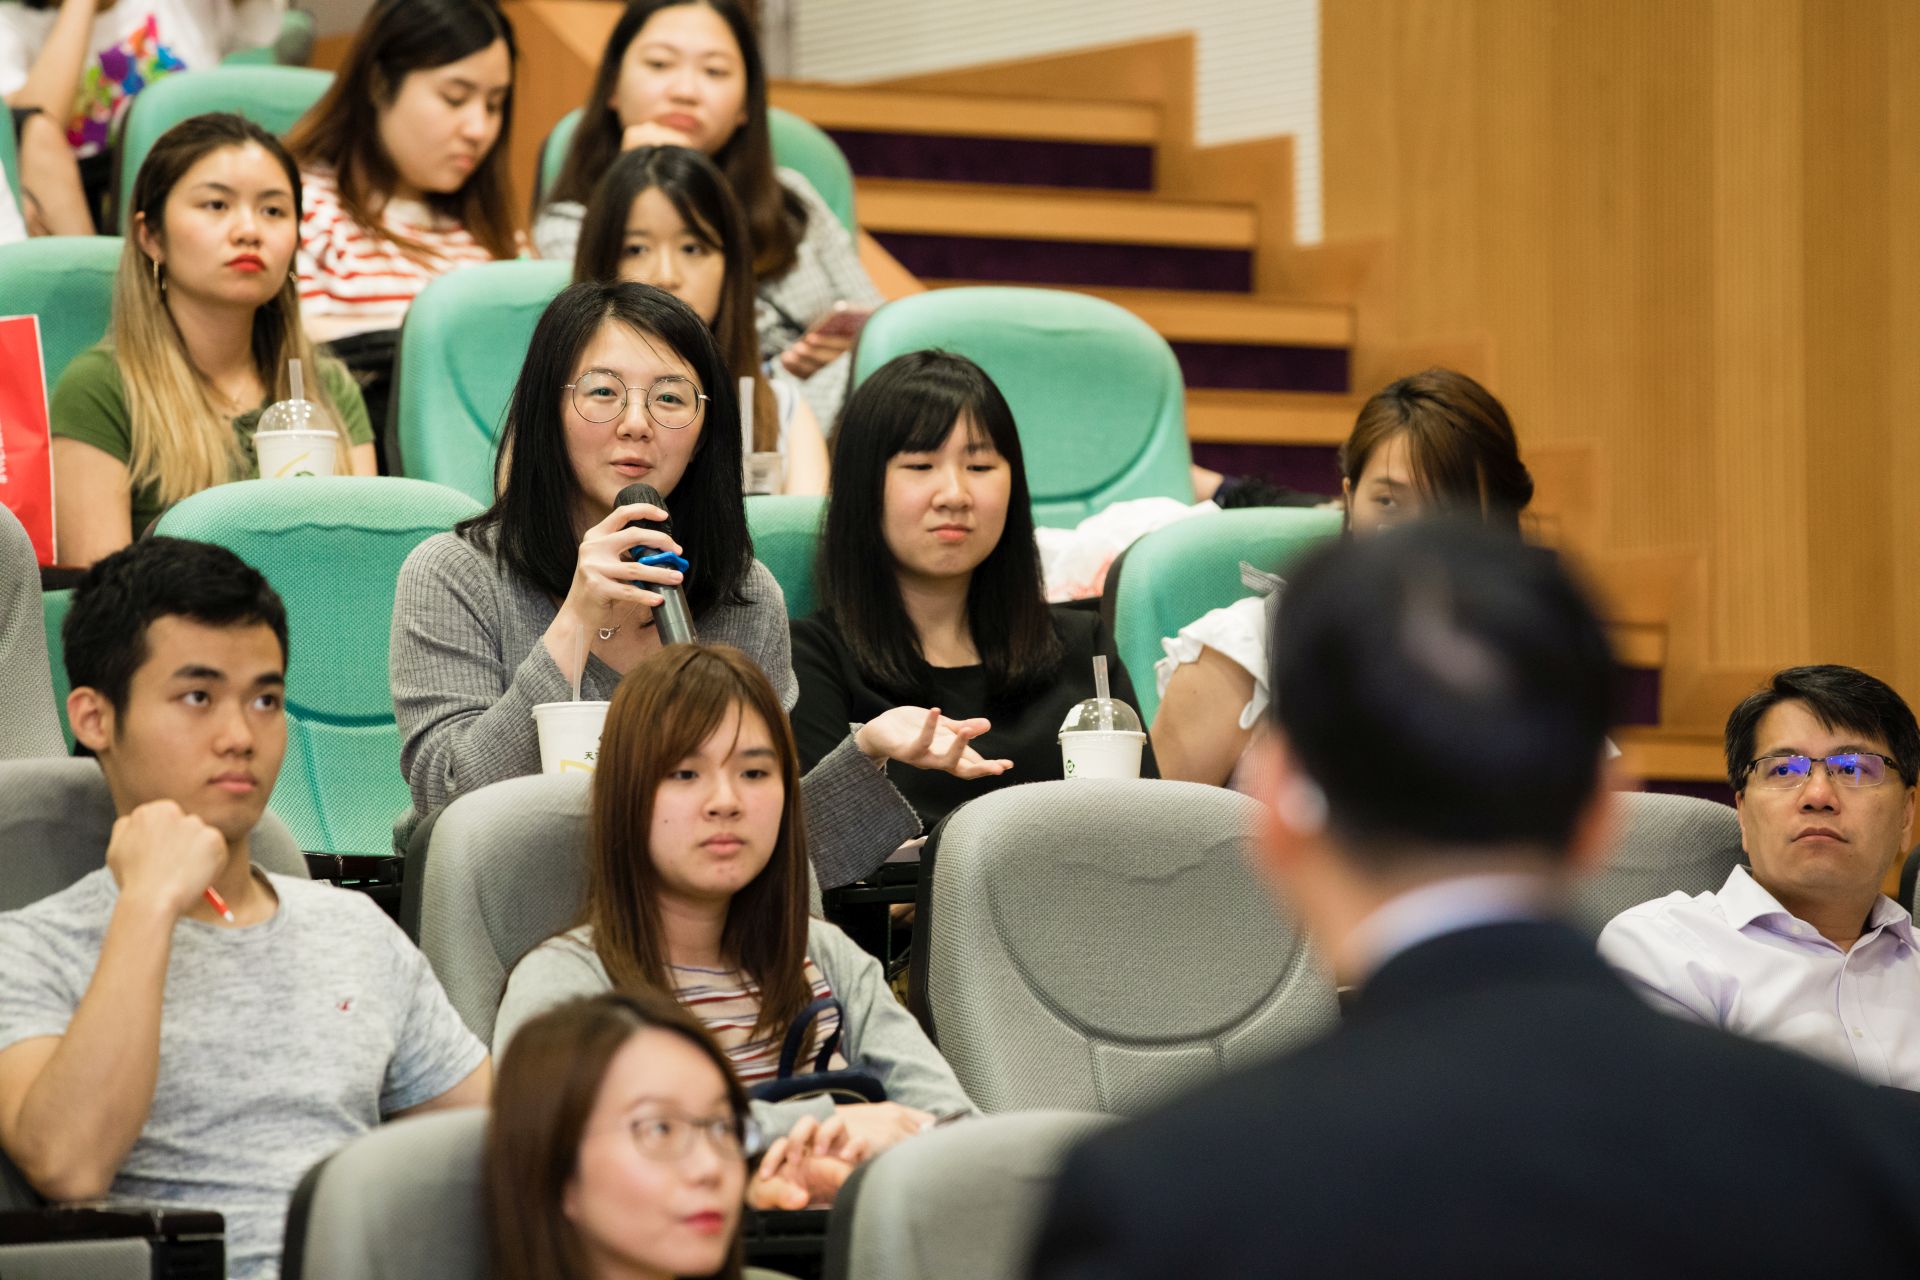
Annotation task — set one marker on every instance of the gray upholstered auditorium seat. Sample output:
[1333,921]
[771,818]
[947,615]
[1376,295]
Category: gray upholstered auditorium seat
[1097,945]
[502,870]
[56,815]
[29,722]
[505,869]
[955,1203]
[1664,843]
[402,1202]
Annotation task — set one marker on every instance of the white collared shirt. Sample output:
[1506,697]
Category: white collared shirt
[1439,907]
[1737,959]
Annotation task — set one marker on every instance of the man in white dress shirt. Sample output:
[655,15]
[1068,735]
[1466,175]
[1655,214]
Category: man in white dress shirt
[1803,949]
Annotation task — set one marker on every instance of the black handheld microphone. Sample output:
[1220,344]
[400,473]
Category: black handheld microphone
[675,619]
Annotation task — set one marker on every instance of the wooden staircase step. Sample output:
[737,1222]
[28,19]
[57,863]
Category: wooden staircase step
[1252,320]
[1026,213]
[867,110]
[1270,417]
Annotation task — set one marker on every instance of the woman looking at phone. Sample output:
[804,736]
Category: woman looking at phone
[697,887]
[623,383]
[688,73]
[665,216]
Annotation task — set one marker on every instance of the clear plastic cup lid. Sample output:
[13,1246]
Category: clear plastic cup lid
[1087,717]
[291,415]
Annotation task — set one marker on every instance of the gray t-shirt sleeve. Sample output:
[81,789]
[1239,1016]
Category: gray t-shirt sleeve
[465,716]
[433,1050]
[43,983]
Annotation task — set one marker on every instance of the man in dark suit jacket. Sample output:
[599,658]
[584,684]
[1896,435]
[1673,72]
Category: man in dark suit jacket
[1495,1103]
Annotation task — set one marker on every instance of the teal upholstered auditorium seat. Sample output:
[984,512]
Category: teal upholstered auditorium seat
[272,97]
[1096,393]
[797,144]
[1175,574]
[68,282]
[786,538]
[461,348]
[332,548]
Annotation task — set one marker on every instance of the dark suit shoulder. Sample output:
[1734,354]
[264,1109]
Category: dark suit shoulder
[1526,1128]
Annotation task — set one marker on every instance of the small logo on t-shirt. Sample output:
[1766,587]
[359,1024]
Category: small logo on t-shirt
[345,1006]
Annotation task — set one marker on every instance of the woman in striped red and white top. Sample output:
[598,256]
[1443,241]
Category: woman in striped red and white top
[403,163]
[697,885]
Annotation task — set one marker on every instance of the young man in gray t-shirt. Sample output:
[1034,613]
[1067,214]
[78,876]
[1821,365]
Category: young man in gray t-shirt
[151,1048]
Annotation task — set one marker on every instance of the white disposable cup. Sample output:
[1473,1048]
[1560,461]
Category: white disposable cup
[763,472]
[569,735]
[1101,753]
[294,453]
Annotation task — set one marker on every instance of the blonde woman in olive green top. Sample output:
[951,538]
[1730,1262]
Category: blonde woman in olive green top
[206,316]
[89,406]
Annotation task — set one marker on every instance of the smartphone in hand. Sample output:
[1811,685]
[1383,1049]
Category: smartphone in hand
[843,322]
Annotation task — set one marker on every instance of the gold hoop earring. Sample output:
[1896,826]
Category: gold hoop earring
[159,276]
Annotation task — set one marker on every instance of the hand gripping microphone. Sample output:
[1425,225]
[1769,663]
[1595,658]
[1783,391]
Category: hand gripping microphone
[674,618]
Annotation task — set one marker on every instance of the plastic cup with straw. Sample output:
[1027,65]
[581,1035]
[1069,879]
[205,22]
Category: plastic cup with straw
[288,441]
[1101,738]
[579,658]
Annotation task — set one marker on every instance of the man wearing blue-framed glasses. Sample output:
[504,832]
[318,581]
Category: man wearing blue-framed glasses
[1802,948]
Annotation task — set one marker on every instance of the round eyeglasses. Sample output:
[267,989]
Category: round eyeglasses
[1784,772]
[668,1136]
[672,402]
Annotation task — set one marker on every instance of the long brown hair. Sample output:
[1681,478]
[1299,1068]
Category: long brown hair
[1460,444]
[661,713]
[700,195]
[776,219]
[181,441]
[342,131]
[548,1081]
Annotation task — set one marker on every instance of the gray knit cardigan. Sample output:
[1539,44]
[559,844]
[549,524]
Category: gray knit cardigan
[468,668]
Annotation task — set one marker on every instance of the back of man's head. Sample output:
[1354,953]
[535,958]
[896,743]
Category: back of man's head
[104,638]
[1448,687]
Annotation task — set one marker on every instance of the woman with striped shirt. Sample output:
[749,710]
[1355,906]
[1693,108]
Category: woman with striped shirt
[698,885]
[404,167]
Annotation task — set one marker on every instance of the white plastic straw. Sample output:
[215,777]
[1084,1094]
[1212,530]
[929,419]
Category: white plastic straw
[1100,691]
[746,415]
[294,379]
[579,658]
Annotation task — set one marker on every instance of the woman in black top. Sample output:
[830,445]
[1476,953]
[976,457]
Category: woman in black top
[931,589]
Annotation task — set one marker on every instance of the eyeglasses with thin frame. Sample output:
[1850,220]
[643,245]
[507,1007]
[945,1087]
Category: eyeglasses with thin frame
[668,1136]
[600,395]
[1785,771]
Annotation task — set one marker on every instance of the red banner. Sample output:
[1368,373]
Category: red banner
[26,449]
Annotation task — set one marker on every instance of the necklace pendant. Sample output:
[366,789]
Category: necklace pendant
[608,633]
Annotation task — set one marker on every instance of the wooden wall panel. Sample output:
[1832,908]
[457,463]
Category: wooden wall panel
[1758,462]
[1848,431]
[1685,227]
[1902,555]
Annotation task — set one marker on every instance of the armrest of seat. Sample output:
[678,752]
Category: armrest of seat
[130,1240]
[792,1238]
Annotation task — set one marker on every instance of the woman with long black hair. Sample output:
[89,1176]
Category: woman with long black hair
[623,383]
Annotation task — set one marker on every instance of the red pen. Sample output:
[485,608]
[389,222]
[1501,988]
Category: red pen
[219,904]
